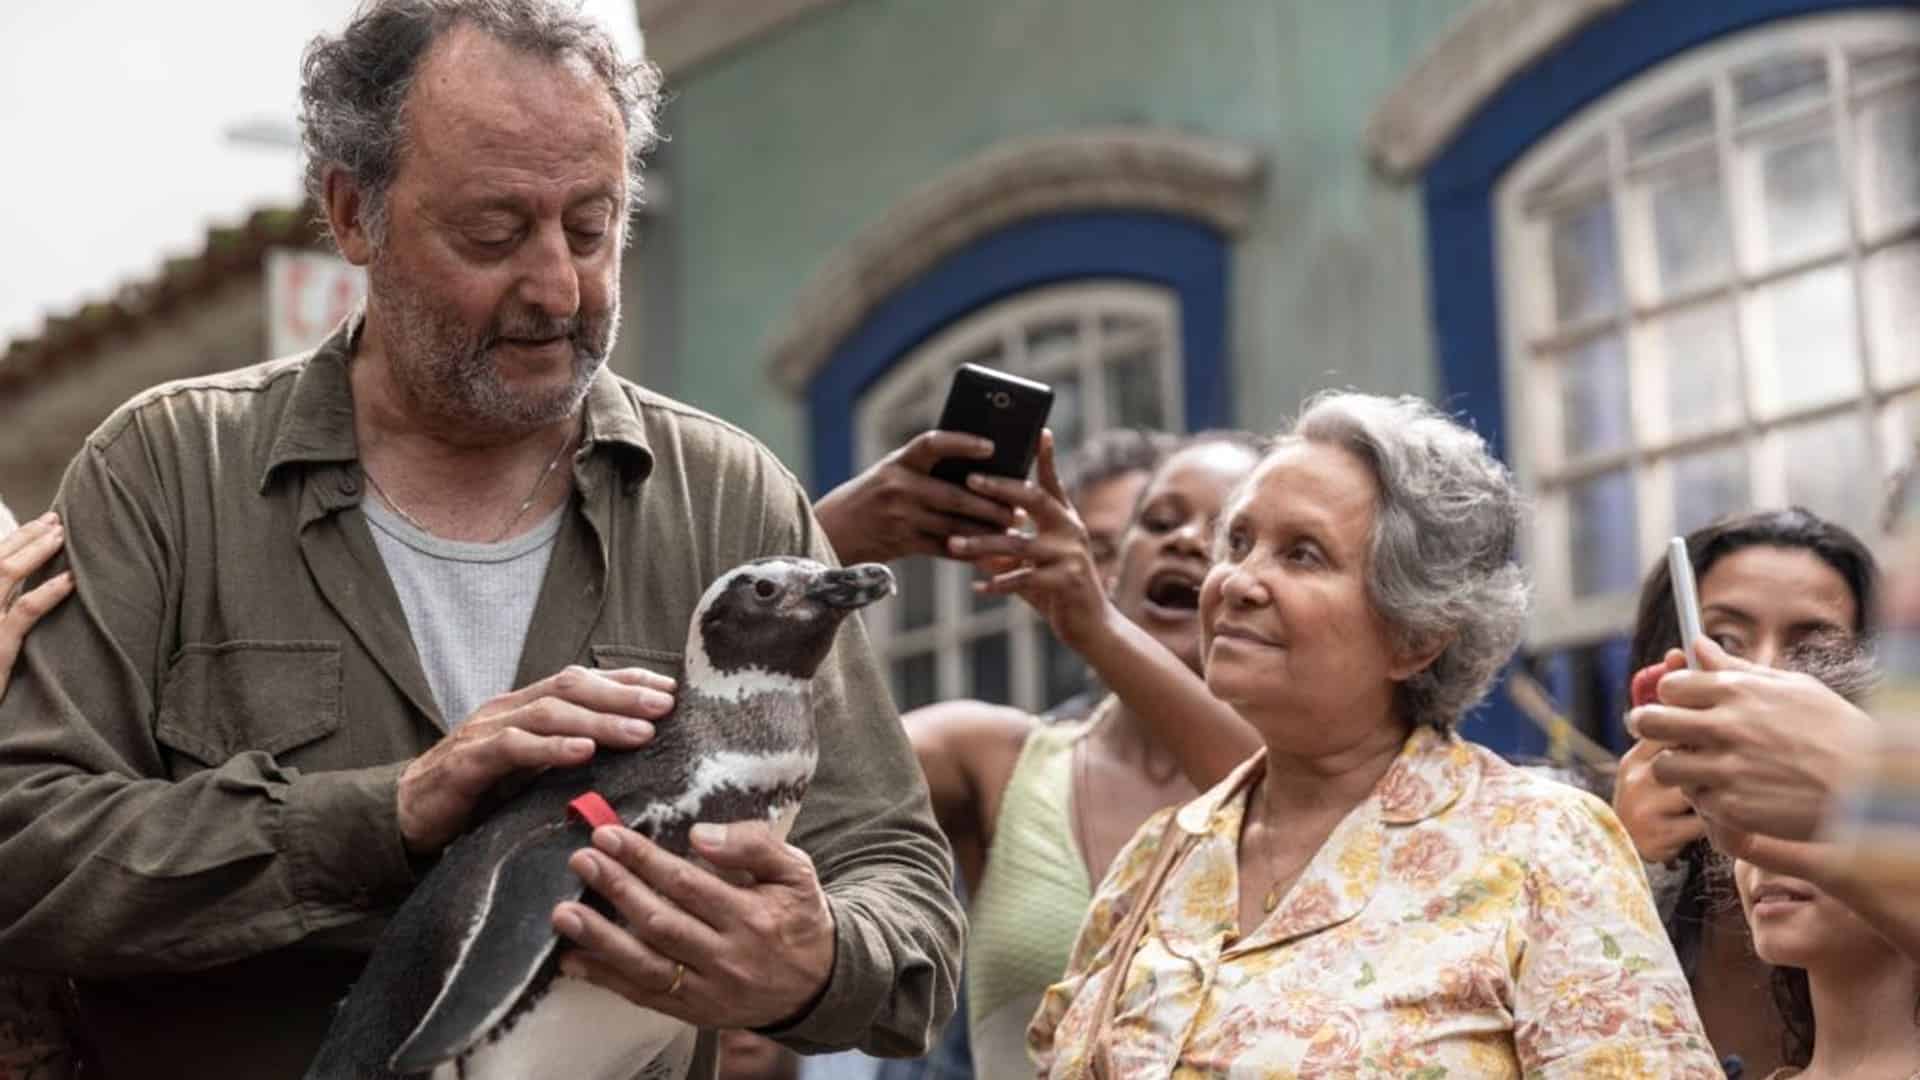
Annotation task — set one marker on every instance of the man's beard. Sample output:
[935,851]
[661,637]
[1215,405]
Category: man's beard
[449,371]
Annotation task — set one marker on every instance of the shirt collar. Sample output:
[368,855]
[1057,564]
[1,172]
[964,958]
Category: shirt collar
[318,423]
[1428,775]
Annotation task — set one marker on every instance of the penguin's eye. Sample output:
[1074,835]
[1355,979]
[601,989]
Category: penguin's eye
[764,589]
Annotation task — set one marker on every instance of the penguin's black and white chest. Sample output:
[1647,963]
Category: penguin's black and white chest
[578,1030]
[750,763]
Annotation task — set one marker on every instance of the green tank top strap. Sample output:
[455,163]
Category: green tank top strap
[1032,896]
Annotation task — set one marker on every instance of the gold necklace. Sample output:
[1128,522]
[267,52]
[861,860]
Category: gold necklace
[1272,899]
[525,504]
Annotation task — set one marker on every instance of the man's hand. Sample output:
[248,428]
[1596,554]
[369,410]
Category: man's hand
[1053,569]
[554,722]
[1755,749]
[696,945]
[22,552]
[896,508]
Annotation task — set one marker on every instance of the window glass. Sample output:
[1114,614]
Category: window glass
[1711,279]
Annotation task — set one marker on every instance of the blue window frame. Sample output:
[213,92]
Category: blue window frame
[1459,190]
[1184,256]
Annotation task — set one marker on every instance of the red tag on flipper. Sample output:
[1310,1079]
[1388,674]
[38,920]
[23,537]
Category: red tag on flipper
[593,811]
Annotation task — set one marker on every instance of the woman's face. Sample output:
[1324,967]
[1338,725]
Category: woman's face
[1794,924]
[1760,602]
[1163,557]
[1106,509]
[1291,631]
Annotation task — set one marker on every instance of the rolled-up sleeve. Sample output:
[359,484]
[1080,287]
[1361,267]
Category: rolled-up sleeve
[882,861]
[110,865]
[1597,990]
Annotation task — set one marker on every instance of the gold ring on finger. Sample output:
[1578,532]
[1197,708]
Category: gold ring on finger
[679,974]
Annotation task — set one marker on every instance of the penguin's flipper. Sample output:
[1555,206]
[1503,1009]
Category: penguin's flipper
[511,938]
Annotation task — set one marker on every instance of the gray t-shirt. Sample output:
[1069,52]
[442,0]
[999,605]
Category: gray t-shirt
[467,605]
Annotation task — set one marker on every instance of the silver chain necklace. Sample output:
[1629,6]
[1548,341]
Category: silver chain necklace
[525,504]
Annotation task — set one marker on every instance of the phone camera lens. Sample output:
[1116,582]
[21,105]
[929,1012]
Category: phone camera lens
[1001,399]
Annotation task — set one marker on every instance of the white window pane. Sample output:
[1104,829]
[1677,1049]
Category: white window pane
[1586,267]
[1052,345]
[1803,203]
[1893,311]
[1687,120]
[1802,332]
[1068,417]
[1696,348]
[1124,328]
[1779,83]
[1875,65]
[1593,397]
[1830,469]
[1133,390]
[917,602]
[991,668]
[1889,135]
[1707,485]
[915,681]
[1606,556]
[1690,230]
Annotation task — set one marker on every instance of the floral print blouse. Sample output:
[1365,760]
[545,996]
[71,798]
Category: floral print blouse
[1467,920]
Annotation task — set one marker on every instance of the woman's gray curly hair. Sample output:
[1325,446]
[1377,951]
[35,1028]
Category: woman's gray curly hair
[354,85]
[1441,558]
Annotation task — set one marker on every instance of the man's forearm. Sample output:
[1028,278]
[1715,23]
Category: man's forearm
[104,875]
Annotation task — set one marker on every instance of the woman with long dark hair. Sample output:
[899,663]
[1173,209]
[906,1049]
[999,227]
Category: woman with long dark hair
[1770,583]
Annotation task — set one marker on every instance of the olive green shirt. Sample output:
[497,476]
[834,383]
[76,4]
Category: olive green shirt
[200,750]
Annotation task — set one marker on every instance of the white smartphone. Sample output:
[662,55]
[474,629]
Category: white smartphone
[1686,597]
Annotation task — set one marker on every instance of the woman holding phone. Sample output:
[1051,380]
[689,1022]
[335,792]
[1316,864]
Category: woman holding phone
[1770,583]
[1035,810]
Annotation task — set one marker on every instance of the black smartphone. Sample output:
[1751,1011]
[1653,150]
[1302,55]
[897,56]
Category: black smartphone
[1009,410]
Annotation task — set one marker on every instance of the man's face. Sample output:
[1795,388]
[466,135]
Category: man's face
[496,291]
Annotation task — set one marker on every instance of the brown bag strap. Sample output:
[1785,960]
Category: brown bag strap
[1174,842]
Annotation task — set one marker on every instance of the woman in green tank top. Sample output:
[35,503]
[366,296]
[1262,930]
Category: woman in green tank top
[1036,811]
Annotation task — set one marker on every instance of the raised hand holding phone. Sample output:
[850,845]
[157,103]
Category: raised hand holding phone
[1005,409]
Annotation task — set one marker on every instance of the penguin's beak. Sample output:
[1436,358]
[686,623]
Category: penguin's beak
[853,586]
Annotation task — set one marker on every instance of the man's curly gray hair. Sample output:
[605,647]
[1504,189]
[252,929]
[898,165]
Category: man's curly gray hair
[1440,562]
[354,85]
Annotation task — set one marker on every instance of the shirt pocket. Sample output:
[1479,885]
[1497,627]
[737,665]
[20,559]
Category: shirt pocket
[276,697]
[658,661]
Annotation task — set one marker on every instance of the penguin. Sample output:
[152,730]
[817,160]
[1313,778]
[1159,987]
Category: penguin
[464,982]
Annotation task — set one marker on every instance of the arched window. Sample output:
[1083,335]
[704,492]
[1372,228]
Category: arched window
[1667,244]
[1111,351]
[1708,282]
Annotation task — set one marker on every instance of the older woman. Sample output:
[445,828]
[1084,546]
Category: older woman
[1370,894]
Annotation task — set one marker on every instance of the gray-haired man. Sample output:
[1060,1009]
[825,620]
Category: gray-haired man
[309,589]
